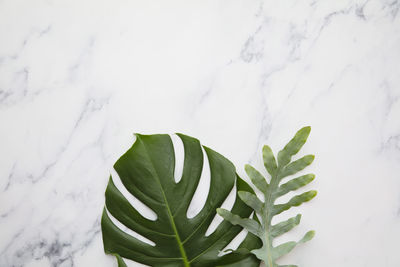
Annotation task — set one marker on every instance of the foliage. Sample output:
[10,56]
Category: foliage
[278,170]
[147,172]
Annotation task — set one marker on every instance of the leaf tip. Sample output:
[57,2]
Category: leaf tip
[242,193]
[313,193]
[225,214]
[266,148]
[221,211]
[305,130]
[308,236]
[137,135]
[247,167]
[310,158]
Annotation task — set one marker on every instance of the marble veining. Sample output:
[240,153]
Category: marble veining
[78,78]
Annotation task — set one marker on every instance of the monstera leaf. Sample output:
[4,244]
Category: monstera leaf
[147,172]
[274,189]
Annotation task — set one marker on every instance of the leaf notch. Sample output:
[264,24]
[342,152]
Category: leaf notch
[146,170]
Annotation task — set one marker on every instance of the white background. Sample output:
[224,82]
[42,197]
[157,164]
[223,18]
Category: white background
[78,78]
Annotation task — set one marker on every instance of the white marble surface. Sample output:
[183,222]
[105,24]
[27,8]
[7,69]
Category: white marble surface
[78,78]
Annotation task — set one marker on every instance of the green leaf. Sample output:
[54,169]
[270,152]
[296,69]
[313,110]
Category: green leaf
[307,237]
[147,171]
[286,226]
[296,166]
[295,184]
[282,249]
[294,146]
[294,202]
[251,200]
[250,225]
[265,231]
[256,178]
[269,160]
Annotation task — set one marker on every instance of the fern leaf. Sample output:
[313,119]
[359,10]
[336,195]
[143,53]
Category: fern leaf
[278,169]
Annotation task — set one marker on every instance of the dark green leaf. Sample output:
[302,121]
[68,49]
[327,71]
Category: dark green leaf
[147,171]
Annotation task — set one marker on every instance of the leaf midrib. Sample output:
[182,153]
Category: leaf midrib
[170,216]
[269,203]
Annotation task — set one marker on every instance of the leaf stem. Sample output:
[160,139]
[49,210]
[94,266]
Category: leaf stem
[268,207]
[178,239]
[171,217]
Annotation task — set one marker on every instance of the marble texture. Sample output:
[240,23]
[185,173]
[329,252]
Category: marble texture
[78,78]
